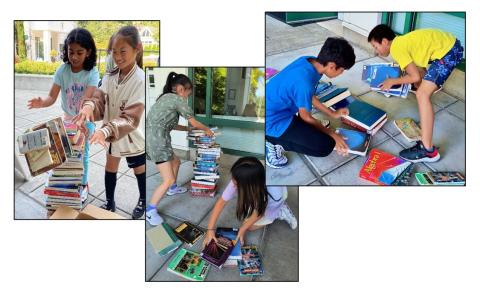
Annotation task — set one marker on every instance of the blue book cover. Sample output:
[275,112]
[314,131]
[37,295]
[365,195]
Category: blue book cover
[230,233]
[360,112]
[375,74]
[356,141]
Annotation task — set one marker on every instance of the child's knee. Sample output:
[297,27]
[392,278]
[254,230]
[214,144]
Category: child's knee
[326,147]
[423,96]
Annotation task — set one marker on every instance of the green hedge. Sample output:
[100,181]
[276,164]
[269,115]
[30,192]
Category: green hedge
[48,68]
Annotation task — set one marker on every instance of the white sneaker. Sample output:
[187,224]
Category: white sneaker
[177,190]
[153,218]
[286,215]
[275,156]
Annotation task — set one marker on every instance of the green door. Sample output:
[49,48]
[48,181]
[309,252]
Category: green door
[299,17]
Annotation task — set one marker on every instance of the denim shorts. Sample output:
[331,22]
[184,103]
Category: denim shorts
[439,70]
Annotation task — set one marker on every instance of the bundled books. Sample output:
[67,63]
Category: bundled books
[362,116]
[66,183]
[329,94]
[163,239]
[189,265]
[356,141]
[217,252]
[409,129]
[383,168]
[250,264]
[440,178]
[188,233]
[376,74]
[205,169]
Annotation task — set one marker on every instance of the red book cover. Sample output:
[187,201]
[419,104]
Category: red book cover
[382,168]
[60,193]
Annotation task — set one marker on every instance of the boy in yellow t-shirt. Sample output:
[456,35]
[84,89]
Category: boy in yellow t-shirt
[413,52]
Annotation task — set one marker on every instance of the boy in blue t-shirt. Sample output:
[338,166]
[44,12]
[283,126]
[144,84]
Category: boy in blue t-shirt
[289,98]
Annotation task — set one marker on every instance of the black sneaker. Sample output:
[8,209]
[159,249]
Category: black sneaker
[109,206]
[139,210]
[418,153]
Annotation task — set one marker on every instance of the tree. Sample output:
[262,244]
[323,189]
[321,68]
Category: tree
[19,33]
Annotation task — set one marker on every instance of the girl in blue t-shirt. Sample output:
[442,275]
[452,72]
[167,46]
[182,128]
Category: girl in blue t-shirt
[76,78]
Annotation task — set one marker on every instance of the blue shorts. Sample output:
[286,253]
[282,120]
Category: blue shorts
[439,70]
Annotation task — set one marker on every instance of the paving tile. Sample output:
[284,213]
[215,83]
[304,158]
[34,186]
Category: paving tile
[101,159]
[458,109]
[27,208]
[442,99]
[280,248]
[455,84]
[295,173]
[153,261]
[126,194]
[449,136]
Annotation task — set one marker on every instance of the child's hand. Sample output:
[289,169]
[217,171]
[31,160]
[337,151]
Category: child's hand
[387,84]
[240,238]
[340,145]
[208,237]
[209,133]
[98,138]
[35,103]
[86,113]
[340,112]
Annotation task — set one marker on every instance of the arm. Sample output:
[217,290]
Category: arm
[247,223]
[340,144]
[412,76]
[321,107]
[181,128]
[38,102]
[217,210]
[197,124]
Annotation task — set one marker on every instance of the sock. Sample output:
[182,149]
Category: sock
[151,207]
[173,187]
[430,150]
[142,184]
[110,184]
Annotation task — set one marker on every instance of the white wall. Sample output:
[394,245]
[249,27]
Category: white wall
[360,22]
[179,138]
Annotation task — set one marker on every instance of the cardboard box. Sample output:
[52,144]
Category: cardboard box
[90,212]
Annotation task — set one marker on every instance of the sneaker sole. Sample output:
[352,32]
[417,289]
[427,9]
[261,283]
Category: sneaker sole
[425,159]
[274,166]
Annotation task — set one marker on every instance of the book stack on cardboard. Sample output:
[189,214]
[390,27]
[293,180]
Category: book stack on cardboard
[376,74]
[65,186]
[205,169]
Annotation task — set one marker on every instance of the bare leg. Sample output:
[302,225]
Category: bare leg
[175,166]
[166,171]
[422,74]
[139,170]
[112,163]
[425,108]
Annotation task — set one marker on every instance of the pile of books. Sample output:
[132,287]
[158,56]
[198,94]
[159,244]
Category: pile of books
[376,74]
[66,184]
[205,169]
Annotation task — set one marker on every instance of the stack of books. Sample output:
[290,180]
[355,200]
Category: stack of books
[205,169]
[376,74]
[66,184]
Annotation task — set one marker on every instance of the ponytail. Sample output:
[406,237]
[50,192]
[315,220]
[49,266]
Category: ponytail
[174,79]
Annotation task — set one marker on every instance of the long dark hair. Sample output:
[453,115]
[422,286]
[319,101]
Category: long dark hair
[132,37]
[174,79]
[249,174]
[83,38]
